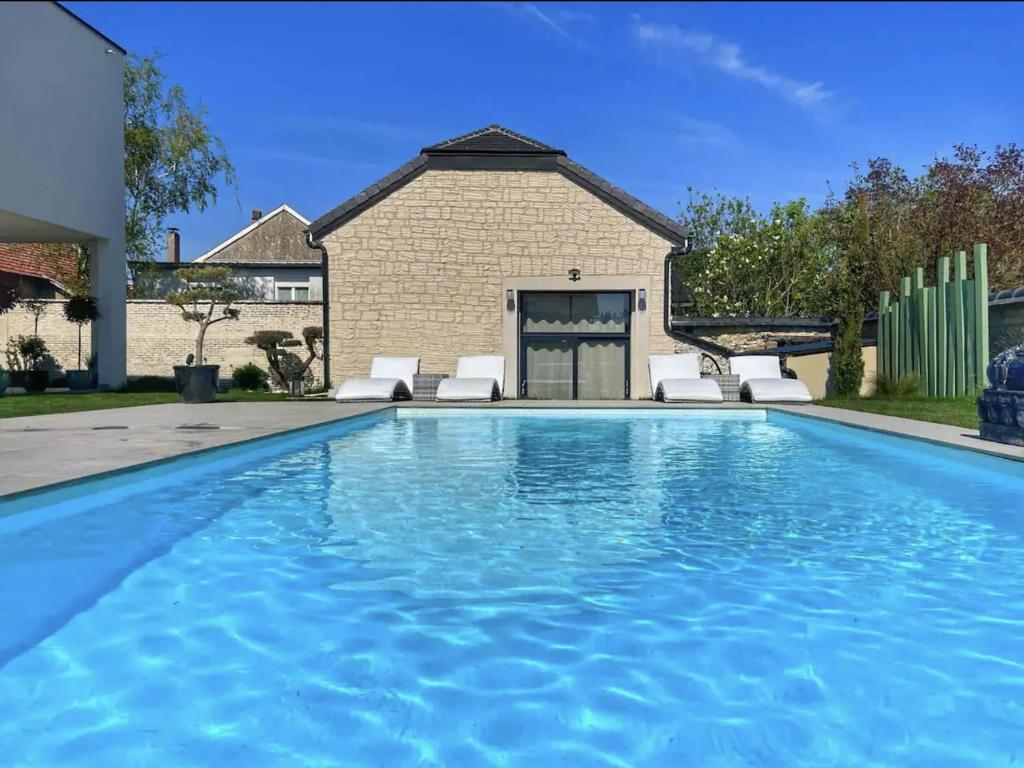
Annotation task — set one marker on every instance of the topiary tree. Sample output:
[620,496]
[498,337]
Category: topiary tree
[275,345]
[285,365]
[81,310]
[206,299]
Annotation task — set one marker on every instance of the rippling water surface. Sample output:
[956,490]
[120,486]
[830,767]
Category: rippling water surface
[492,589]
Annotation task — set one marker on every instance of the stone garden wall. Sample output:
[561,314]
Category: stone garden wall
[158,338]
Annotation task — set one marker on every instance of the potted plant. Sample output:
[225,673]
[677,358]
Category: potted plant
[29,361]
[205,299]
[5,381]
[80,310]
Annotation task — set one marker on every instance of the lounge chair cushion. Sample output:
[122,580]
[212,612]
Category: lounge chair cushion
[775,391]
[755,367]
[373,389]
[692,390]
[673,367]
[403,368]
[468,389]
[390,379]
[477,377]
[676,378]
[761,380]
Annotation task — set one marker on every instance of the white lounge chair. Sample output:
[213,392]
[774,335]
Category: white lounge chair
[390,379]
[676,378]
[761,379]
[479,377]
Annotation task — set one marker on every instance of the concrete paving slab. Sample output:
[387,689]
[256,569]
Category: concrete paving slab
[42,450]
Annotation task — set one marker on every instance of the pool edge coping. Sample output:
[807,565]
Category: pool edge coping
[861,420]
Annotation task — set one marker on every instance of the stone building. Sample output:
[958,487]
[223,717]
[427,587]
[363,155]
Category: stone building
[494,242]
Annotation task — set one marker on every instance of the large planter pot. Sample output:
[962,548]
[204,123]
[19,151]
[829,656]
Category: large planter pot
[17,378]
[5,381]
[36,381]
[197,383]
[79,381]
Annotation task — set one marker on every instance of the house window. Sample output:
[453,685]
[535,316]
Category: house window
[292,291]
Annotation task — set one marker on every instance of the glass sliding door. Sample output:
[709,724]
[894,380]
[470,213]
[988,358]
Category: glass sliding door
[548,367]
[601,369]
[574,345]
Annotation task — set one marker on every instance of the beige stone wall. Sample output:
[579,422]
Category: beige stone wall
[421,272]
[158,338]
[816,372]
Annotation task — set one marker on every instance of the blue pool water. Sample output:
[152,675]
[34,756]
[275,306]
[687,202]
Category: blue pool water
[500,589]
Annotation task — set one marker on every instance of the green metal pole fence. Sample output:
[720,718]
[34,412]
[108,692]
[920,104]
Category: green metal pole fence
[938,332]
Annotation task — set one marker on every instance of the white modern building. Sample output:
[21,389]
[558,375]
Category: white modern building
[62,153]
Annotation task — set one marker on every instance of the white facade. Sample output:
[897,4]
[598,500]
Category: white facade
[62,152]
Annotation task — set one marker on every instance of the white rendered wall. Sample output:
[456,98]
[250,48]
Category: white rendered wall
[62,152]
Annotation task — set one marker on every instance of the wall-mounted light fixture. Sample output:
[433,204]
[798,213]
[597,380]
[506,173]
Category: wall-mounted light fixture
[574,275]
[510,300]
[641,300]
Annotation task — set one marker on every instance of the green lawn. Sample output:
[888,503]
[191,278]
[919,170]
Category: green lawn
[34,405]
[959,411]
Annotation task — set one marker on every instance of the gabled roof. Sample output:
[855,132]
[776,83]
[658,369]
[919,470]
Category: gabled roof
[252,227]
[498,148]
[493,139]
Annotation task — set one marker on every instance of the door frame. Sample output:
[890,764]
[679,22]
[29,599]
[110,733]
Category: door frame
[643,322]
[575,338]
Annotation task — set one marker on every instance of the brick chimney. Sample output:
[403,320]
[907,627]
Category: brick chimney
[257,214]
[173,245]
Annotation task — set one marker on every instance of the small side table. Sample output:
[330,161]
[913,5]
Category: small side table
[424,385]
[729,384]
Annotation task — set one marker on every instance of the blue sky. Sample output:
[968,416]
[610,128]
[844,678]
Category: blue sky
[316,101]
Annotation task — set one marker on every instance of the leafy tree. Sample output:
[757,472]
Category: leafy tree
[172,160]
[746,264]
[847,360]
[205,299]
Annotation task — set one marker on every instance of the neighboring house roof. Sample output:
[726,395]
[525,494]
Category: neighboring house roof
[288,225]
[498,148]
[56,262]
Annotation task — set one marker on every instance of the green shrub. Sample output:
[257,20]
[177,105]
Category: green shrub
[908,385]
[250,376]
[29,353]
[151,384]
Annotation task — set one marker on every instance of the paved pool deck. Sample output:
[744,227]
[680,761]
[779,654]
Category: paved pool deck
[37,451]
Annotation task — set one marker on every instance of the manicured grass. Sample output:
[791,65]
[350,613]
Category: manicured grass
[35,405]
[959,411]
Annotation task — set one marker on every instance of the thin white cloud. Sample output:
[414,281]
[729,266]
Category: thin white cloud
[532,10]
[728,58]
[556,21]
[691,130]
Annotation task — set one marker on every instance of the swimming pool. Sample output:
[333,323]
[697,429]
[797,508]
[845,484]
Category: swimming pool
[510,588]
